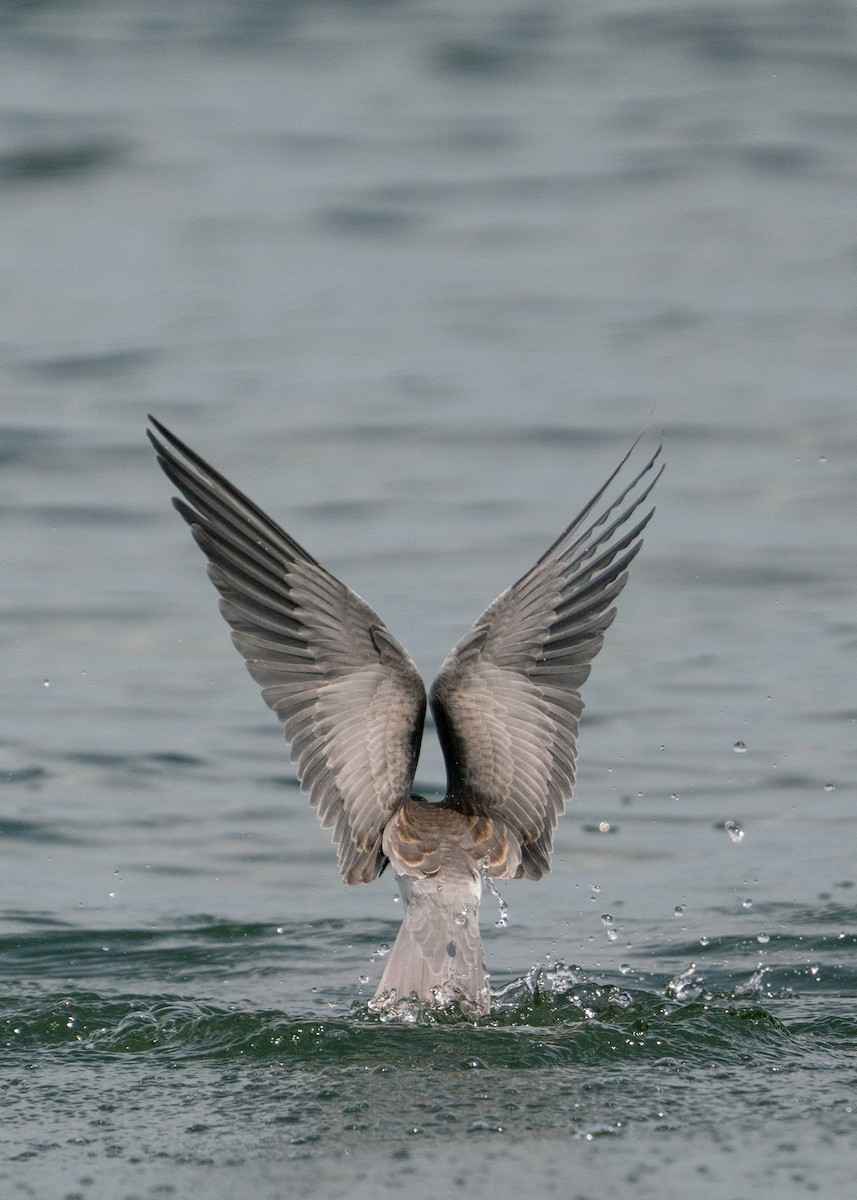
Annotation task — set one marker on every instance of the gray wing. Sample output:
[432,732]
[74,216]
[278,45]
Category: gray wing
[349,696]
[507,701]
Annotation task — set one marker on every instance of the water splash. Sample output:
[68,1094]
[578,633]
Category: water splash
[754,985]
[503,919]
[447,1005]
[687,985]
[554,979]
[736,833]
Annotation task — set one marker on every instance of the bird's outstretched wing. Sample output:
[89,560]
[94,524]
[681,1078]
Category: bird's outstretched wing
[507,702]
[350,698]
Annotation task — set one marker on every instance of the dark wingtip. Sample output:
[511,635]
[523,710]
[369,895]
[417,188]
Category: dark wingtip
[162,429]
[172,440]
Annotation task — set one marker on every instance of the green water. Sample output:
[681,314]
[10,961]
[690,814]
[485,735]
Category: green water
[116,1057]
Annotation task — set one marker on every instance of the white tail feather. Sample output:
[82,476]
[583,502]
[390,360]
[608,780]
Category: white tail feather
[437,955]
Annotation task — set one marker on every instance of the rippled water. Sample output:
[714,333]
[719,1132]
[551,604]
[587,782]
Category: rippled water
[414,275]
[115,1055]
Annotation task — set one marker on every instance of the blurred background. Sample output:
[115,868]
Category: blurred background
[414,273]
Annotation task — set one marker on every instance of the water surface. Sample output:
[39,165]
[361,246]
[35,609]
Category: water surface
[414,275]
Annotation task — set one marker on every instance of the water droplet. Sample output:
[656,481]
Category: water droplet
[822,458]
[739,748]
[829,787]
[734,830]
[364,979]
[460,918]
[47,683]
[678,911]
[674,796]
[608,923]
[396,899]
[814,972]
[705,941]
[382,951]
[625,968]
[595,889]
[747,903]
[763,938]
[603,826]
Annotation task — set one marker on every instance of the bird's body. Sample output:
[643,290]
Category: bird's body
[506,704]
[440,857]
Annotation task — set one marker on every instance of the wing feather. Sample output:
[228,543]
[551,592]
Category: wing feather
[507,702]
[348,695]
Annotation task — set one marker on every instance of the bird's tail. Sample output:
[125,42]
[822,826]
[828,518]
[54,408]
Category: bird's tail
[437,955]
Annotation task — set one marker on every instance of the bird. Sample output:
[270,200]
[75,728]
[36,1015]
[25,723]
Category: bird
[506,706]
